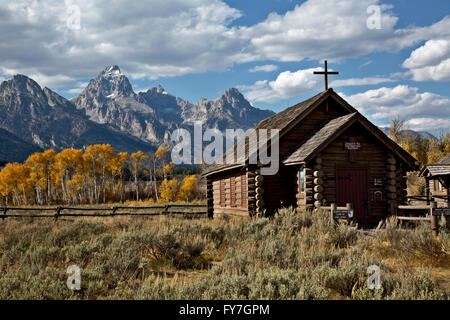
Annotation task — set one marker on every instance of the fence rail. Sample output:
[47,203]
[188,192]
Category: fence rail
[57,212]
[416,212]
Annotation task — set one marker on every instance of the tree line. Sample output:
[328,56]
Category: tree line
[425,150]
[94,175]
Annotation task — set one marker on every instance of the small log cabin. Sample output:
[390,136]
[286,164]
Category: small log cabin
[328,153]
[437,185]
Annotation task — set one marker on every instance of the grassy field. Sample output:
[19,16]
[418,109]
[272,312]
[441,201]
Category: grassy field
[292,256]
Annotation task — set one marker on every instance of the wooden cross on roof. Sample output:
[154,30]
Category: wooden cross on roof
[326,73]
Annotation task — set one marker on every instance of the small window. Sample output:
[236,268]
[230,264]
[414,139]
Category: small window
[301,180]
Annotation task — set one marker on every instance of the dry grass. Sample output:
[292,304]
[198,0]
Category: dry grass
[292,256]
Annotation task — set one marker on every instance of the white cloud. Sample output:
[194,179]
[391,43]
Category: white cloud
[428,124]
[153,38]
[287,84]
[420,109]
[430,62]
[334,30]
[264,68]
[146,38]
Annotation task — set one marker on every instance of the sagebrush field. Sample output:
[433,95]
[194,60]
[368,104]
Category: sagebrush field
[291,256]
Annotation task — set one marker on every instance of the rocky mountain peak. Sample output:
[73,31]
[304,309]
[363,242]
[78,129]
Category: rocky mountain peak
[112,71]
[110,83]
[151,115]
[23,84]
[233,92]
[236,99]
[159,89]
[22,87]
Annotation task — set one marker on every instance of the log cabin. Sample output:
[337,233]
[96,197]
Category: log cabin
[437,181]
[328,153]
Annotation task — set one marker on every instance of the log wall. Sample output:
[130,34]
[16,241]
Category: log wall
[228,178]
[381,167]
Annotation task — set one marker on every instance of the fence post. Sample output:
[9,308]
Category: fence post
[333,207]
[434,219]
[58,213]
[4,213]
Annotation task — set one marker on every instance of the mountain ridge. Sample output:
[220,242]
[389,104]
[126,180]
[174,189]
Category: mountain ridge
[44,118]
[151,115]
[109,111]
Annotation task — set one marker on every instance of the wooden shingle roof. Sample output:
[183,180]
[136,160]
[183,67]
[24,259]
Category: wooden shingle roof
[285,120]
[439,168]
[319,138]
[282,119]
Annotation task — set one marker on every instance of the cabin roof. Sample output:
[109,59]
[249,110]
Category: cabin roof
[290,117]
[439,168]
[329,132]
[283,121]
[314,143]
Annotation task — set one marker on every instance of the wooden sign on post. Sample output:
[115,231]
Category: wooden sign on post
[342,214]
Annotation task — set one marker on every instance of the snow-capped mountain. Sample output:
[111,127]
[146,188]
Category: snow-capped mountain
[152,115]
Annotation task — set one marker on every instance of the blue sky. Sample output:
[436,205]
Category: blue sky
[267,49]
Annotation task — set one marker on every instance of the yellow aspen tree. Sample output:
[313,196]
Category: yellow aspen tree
[117,165]
[6,183]
[67,163]
[161,155]
[42,174]
[97,157]
[13,179]
[189,189]
[168,190]
[136,161]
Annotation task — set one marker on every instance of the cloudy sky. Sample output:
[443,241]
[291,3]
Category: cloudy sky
[393,55]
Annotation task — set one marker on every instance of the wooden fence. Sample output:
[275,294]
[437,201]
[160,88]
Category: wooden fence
[57,212]
[428,213]
[409,213]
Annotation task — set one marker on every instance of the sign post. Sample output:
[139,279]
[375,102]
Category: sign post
[341,214]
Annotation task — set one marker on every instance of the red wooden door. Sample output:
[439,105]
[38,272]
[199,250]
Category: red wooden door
[352,187]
